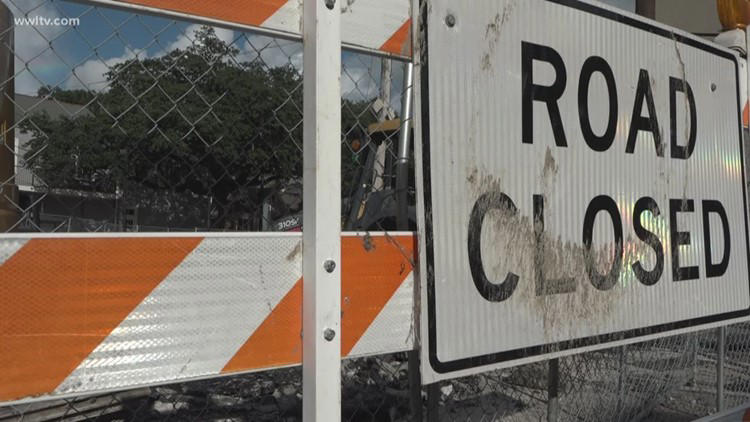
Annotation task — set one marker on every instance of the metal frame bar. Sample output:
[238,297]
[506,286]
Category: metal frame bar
[206,235]
[321,302]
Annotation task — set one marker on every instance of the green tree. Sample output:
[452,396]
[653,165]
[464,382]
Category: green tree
[184,133]
[193,123]
[73,96]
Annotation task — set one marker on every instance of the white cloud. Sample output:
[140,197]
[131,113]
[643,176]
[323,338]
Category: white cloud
[92,73]
[359,82]
[273,52]
[32,49]
[360,77]
[187,38]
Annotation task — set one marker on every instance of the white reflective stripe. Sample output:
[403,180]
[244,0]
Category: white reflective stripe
[371,23]
[367,23]
[9,247]
[391,330]
[287,18]
[195,320]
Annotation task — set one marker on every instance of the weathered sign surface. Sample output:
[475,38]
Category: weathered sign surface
[582,182]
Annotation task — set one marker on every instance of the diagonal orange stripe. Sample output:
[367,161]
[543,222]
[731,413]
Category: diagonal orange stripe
[400,41]
[278,340]
[60,298]
[246,12]
[746,115]
[372,270]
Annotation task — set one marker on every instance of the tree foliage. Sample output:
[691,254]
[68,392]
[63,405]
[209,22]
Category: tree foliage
[199,124]
[72,96]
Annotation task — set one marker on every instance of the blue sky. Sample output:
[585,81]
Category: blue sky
[80,56]
[103,36]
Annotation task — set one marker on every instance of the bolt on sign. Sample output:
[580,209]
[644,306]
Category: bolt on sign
[582,182]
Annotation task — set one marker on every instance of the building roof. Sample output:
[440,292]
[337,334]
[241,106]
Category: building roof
[26,107]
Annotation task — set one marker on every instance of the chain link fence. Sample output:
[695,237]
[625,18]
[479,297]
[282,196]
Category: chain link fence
[127,122]
[130,123]
[669,379]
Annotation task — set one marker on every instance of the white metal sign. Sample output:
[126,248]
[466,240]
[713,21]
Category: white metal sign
[582,185]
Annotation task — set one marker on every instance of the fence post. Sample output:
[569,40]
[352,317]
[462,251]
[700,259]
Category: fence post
[553,389]
[402,222]
[721,333]
[321,303]
[386,75]
[415,387]
[433,402]
[693,360]
[9,213]
[404,146]
[621,380]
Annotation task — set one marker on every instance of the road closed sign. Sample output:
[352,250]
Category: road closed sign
[582,182]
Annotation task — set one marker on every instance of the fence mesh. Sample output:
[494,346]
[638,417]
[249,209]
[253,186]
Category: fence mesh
[670,379]
[126,122]
[136,123]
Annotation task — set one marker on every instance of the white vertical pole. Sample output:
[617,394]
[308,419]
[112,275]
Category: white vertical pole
[321,304]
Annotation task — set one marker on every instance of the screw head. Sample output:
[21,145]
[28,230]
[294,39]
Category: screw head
[330,4]
[713,87]
[450,20]
[329,266]
[329,334]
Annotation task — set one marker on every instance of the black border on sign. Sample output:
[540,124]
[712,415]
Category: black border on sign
[493,358]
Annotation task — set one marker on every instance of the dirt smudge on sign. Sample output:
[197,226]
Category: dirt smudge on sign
[553,279]
[295,252]
[550,165]
[347,6]
[549,174]
[367,243]
[492,34]
[561,293]
[472,177]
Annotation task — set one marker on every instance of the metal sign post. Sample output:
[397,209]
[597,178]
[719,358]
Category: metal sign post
[321,303]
